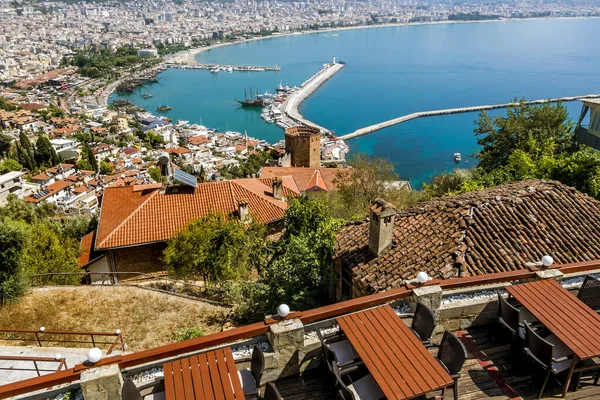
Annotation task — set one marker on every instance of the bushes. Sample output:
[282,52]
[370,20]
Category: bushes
[14,239]
[187,334]
[44,244]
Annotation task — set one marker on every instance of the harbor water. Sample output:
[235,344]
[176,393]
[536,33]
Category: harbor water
[390,72]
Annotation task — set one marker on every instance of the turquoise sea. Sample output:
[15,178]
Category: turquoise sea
[393,71]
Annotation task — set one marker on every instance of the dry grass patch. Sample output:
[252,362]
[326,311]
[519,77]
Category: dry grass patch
[147,319]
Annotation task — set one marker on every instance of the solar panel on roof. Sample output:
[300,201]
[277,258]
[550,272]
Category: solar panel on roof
[185,178]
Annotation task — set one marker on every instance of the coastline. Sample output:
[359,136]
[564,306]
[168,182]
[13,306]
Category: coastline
[189,56]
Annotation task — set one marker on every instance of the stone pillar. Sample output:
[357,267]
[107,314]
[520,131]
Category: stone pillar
[430,296]
[286,339]
[102,383]
[549,274]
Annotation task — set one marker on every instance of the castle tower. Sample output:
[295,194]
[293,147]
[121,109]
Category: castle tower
[303,143]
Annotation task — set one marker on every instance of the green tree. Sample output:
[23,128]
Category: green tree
[49,251]
[44,153]
[248,168]
[297,270]
[155,174]
[447,183]
[533,142]
[84,165]
[368,179]
[202,174]
[13,242]
[106,168]
[5,144]
[76,227]
[25,142]
[215,247]
[152,138]
[87,155]
[9,165]
[25,158]
[19,210]
[538,130]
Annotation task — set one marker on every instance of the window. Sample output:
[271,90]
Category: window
[346,283]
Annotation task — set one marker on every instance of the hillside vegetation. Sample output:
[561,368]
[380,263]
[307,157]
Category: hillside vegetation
[147,319]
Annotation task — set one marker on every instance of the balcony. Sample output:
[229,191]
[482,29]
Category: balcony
[293,355]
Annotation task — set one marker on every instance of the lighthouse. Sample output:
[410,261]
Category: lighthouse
[333,61]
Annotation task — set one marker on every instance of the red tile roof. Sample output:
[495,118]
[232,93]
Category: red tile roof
[86,248]
[494,230]
[177,150]
[198,140]
[308,178]
[130,216]
[316,182]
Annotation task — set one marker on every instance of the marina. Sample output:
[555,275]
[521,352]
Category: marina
[373,89]
[215,68]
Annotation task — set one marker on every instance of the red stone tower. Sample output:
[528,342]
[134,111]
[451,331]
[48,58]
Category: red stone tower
[303,143]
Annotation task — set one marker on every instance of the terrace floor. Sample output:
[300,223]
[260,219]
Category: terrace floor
[487,374]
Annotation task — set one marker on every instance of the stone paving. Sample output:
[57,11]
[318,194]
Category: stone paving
[8,373]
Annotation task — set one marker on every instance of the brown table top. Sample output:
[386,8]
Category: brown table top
[399,363]
[205,376]
[572,321]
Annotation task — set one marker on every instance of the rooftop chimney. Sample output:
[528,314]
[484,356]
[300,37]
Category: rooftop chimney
[381,229]
[243,210]
[278,189]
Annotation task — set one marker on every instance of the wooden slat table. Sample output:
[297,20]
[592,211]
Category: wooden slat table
[205,376]
[399,363]
[567,317]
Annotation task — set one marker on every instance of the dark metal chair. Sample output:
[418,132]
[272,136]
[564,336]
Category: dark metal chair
[589,292]
[423,323]
[129,391]
[452,355]
[364,387]
[508,316]
[340,356]
[250,378]
[271,392]
[553,357]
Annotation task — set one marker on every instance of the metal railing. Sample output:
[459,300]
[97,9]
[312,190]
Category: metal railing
[44,335]
[146,280]
[62,363]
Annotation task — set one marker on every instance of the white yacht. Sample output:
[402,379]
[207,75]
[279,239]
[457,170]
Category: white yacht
[457,157]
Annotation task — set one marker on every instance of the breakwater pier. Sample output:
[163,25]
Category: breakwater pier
[290,108]
[405,118]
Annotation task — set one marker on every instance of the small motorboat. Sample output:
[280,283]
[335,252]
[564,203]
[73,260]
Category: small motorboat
[457,157]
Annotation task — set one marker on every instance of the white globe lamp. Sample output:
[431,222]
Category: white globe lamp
[42,328]
[422,277]
[547,261]
[118,332]
[58,356]
[283,310]
[94,355]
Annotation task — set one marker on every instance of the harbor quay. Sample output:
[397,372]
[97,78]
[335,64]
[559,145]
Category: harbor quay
[291,112]
[215,68]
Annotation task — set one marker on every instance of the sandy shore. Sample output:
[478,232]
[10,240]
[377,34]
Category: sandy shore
[189,56]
